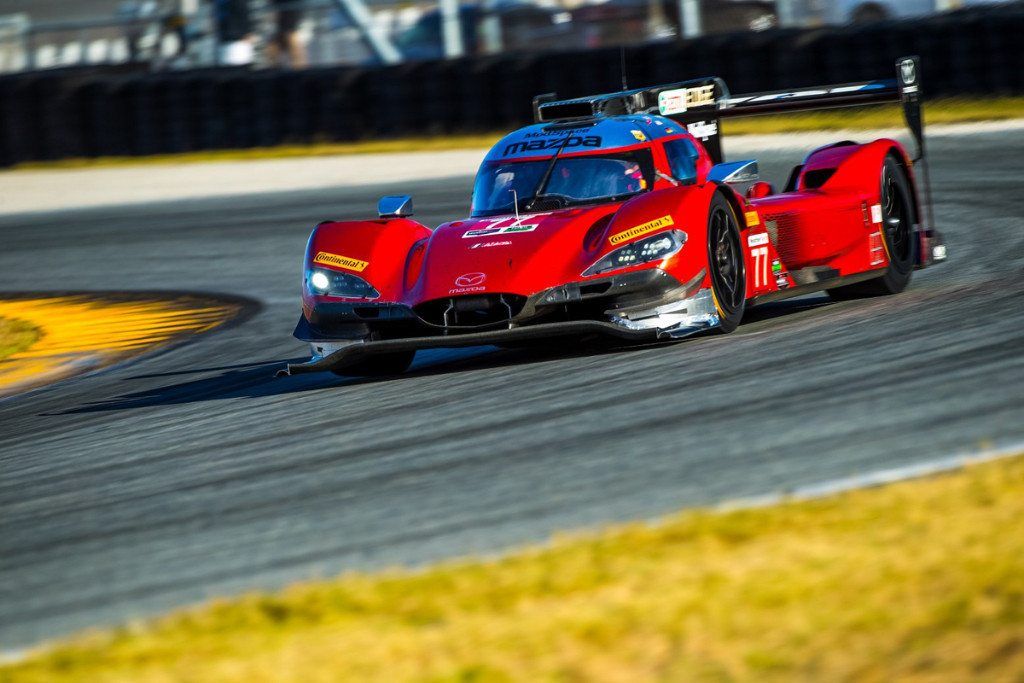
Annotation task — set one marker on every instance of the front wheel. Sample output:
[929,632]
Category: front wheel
[379,365]
[726,265]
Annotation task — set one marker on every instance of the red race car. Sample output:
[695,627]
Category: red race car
[615,215]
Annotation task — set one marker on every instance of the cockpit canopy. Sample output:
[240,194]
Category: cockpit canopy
[572,180]
[554,166]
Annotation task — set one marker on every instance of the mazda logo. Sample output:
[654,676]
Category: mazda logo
[470,280]
[908,70]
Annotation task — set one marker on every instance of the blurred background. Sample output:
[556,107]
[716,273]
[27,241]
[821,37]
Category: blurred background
[97,78]
[181,34]
[89,78]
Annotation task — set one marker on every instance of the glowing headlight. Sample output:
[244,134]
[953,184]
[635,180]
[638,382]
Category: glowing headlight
[334,283]
[654,248]
[319,281]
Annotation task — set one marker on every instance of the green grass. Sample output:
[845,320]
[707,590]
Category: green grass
[16,336]
[917,581]
[866,118]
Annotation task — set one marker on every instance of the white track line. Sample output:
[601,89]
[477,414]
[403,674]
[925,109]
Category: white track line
[831,487]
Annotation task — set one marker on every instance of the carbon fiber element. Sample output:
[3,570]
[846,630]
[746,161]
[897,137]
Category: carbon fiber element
[352,354]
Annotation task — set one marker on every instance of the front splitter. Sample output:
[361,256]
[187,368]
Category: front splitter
[357,351]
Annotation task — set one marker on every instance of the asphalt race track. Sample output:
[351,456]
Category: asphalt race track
[193,472]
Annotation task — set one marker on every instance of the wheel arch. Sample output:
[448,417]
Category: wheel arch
[735,202]
[374,250]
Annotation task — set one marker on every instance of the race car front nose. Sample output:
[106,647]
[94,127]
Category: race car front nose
[327,282]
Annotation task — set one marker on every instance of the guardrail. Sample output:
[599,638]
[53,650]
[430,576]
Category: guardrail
[91,113]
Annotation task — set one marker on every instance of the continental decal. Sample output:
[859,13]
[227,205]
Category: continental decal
[752,218]
[339,261]
[642,229]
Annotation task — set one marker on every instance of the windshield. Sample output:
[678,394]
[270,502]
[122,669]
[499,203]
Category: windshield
[573,180]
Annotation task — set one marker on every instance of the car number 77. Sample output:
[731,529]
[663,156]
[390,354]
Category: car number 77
[760,266]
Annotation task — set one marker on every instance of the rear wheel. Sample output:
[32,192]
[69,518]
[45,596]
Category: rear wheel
[725,264]
[379,365]
[898,234]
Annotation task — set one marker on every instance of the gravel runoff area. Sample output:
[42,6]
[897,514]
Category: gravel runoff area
[78,188]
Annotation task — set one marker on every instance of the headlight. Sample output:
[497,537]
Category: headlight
[654,248]
[335,283]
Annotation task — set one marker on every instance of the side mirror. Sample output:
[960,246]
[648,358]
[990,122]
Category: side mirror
[759,190]
[395,206]
[734,172]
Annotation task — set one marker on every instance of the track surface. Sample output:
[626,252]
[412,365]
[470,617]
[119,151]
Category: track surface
[193,473]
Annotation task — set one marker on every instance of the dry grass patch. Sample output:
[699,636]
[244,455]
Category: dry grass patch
[917,581]
[16,336]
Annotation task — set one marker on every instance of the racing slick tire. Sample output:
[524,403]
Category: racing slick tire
[379,365]
[725,264]
[898,235]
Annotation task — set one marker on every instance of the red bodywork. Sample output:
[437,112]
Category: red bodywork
[631,228]
[815,225]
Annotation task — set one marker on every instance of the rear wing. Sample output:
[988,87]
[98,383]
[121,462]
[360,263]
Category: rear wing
[700,105]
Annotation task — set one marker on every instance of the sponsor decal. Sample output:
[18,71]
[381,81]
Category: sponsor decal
[481,232]
[484,245]
[776,267]
[547,133]
[672,102]
[757,239]
[703,129]
[752,218]
[639,135]
[700,96]
[782,282]
[554,143]
[876,248]
[876,213]
[677,101]
[339,261]
[470,280]
[642,229]
[503,230]
[908,71]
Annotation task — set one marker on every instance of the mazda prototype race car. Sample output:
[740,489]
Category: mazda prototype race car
[615,215]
